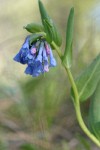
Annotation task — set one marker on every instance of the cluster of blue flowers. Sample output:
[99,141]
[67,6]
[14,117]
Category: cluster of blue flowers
[38,57]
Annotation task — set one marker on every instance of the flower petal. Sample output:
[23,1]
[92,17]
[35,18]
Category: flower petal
[33,50]
[46,68]
[29,70]
[17,57]
[39,56]
[47,48]
[26,43]
[45,57]
[21,56]
[37,68]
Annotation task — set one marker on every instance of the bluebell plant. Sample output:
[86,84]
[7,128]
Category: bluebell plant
[37,54]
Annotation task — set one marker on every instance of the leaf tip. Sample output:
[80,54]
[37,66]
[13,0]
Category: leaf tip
[39,2]
[72,9]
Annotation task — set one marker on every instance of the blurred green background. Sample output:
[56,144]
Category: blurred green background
[37,113]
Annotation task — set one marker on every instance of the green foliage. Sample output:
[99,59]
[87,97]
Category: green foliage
[46,103]
[84,142]
[49,26]
[3,145]
[94,112]
[30,85]
[33,28]
[67,59]
[28,146]
[87,81]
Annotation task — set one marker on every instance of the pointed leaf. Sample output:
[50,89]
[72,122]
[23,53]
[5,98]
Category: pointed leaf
[49,26]
[87,81]
[56,35]
[67,59]
[48,31]
[44,14]
[33,28]
[94,112]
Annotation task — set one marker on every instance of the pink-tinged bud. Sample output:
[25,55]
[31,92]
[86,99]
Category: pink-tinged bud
[33,50]
[46,69]
[47,49]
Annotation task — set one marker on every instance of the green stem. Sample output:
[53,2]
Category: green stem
[57,49]
[77,102]
[78,110]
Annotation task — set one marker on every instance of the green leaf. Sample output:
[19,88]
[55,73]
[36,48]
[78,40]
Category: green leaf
[27,147]
[94,112]
[48,31]
[84,142]
[67,59]
[56,35]
[87,81]
[34,27]
[43,12]
[49,26]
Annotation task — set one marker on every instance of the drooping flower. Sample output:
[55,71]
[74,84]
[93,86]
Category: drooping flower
[38,57]
[21,56]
